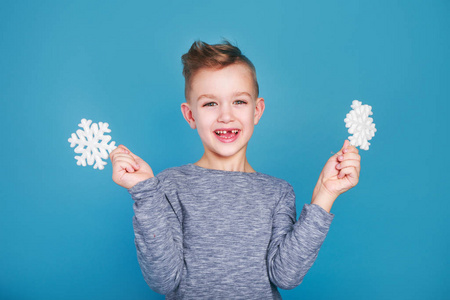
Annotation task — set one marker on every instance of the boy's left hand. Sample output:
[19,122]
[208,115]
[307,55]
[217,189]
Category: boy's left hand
[340,173]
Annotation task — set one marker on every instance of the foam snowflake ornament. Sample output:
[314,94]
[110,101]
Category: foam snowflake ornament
[92,144]
[360,125]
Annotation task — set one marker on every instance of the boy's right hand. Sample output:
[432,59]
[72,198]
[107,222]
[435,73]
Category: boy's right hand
[128,168]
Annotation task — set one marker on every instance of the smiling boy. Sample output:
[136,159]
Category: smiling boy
[223,106]
[217,228]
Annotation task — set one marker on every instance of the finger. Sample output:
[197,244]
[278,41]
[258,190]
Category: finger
[351,163]
[352,177]
[124,148]
[348,171]
[131,153]
[126,158]
[350,155]
[135,157]
[351,149]
[129,169]
[129,166]
[123,165]
[119,149]
[348,163]
[340,152]
[346,144]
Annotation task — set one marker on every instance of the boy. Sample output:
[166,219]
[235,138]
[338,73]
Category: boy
[217,228]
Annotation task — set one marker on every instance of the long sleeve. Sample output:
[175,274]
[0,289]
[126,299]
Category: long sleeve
[294,246]
[158,236]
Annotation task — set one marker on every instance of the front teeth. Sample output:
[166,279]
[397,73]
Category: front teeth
[224,131]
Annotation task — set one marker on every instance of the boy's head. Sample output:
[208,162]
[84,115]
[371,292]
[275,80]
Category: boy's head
[221,98]
[204,56]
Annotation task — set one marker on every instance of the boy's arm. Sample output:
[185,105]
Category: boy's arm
[294,246]
[158,237]
[156,225]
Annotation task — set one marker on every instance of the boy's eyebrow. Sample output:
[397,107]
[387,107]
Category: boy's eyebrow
[211,96]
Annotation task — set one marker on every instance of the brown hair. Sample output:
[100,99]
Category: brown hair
[202,55]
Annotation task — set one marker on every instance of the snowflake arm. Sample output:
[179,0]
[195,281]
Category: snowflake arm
[92,144]
[360,125]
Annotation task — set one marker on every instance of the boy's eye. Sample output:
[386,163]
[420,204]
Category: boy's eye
[210,104]
[240,102]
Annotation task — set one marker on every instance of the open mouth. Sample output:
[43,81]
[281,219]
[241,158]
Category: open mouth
[227,134]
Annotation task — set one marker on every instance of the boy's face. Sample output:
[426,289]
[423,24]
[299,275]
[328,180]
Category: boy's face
[222,105]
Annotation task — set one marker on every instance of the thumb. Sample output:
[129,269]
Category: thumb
[346,144]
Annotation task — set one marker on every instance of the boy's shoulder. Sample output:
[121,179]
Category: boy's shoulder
[173,171]
[172,174]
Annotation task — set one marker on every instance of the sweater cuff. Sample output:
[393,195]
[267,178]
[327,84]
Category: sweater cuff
[318,216]
[143,188]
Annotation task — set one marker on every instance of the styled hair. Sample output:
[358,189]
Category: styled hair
[202,55]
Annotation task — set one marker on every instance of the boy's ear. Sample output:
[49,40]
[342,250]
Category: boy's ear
[187,114]
[259,109]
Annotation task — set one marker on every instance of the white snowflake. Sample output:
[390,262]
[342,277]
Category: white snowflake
[92,144]
[360,125]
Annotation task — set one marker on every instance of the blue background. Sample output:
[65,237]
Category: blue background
[66,231]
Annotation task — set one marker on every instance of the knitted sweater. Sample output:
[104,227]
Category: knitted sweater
[213,234]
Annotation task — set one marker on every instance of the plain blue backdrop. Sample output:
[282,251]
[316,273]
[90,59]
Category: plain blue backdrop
[66,231]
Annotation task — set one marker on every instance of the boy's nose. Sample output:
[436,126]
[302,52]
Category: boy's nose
[226,115]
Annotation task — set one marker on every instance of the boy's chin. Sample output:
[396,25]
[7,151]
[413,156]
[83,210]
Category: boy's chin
[227,153]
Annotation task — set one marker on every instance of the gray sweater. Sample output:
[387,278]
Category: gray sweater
[212,234]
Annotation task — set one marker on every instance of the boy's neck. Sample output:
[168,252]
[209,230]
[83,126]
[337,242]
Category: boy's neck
[236,164]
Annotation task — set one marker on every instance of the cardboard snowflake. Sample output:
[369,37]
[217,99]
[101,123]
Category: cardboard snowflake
[360,125]
[92,144]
